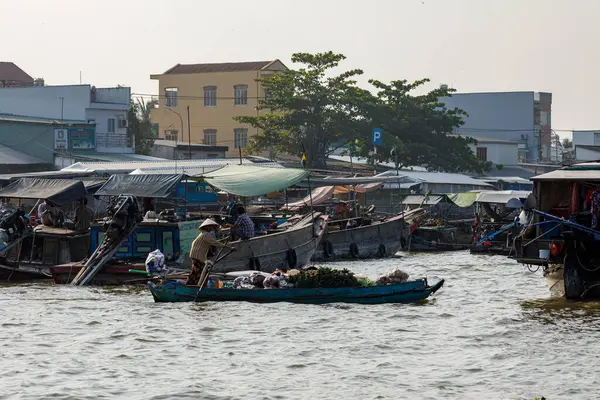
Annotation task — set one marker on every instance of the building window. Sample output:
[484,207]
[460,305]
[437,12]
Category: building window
[170,97]
[111,125]
[210,96]
[210,137]
[171,134]
[240,138]
[482,153]
[240,95]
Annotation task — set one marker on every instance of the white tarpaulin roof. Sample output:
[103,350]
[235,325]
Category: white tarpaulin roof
[501,196]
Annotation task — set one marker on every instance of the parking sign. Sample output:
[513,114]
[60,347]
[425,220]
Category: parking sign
[377,136]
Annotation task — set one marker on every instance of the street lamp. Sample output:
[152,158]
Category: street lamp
[181,119]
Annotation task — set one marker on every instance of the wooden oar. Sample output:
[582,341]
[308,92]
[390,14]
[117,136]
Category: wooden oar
[208,268]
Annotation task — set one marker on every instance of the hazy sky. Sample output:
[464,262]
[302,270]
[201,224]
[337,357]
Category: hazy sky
[473,45]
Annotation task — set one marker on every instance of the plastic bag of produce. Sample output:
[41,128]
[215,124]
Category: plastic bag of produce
[257,279]
[155,261]
[271,282]
[398,276]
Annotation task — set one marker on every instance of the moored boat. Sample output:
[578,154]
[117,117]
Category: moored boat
[176,291]
[30,255]
[376,240]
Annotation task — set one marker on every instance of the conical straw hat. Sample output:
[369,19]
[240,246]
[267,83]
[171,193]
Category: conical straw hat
[208,222]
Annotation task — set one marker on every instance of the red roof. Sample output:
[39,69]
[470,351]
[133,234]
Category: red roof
[12,75]
[219,67]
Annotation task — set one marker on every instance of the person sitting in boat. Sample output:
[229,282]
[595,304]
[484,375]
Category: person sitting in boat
[200,247]
[243,226]
[51,215]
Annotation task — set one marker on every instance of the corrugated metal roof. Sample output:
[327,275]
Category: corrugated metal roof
[114,157]
[570,175]
[161,167]
[507,179]
[10,156]
[218,67]
[438,177]
[43,174]
[39,120]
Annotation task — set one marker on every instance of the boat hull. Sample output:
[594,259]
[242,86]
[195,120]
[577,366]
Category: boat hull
[110,275]
[381,239]
[293,248]
[23,274]
[498,250]
[175,291]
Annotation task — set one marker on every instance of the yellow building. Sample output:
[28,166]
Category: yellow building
[214,93]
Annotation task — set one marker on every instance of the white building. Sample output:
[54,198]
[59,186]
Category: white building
[497,151]
[587,145]
[521,117]
[105,107]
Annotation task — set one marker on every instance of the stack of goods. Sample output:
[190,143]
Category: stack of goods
[398,276]
[327,278]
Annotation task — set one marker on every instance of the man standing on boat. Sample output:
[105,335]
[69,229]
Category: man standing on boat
[243,227]
[200,247]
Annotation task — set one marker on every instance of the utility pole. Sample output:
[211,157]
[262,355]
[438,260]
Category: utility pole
[189,134]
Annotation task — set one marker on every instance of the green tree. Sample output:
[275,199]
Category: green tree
[140,126]
[567,143]
[420,128]
[310,109]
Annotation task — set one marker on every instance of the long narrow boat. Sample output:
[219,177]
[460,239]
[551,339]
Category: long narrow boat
[377,240]
[176,291]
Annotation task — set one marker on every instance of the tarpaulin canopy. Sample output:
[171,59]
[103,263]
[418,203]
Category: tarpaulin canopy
[57,191]
[318,196]
[159,186]
[465,199]
[250,180]
[420,199]
[501,196]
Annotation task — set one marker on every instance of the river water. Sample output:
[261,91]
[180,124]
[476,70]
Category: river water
[492,332]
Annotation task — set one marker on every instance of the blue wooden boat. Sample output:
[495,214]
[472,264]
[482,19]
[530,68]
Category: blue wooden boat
[176,291]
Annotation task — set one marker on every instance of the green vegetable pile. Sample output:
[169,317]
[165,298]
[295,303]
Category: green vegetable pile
[327,278]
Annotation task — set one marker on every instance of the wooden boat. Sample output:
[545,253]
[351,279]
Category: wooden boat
[33,255]
[440,238]
[377,240]
[176,291]
[120,273]
[292,248]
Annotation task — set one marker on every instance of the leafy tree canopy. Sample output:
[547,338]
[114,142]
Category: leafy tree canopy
[139,125]
[312,109]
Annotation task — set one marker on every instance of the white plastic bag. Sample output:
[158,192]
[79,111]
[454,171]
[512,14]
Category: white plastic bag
[155,261]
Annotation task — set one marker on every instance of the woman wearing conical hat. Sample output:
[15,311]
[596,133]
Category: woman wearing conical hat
[200,247]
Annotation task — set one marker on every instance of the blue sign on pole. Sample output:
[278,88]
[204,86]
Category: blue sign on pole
[377,136]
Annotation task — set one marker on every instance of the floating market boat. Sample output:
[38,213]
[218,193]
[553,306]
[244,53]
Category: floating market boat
[176,291]
[362,235]
[34,249]
[376,239]
[561,232]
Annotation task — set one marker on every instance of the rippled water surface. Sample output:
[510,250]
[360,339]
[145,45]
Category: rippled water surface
[492,332]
